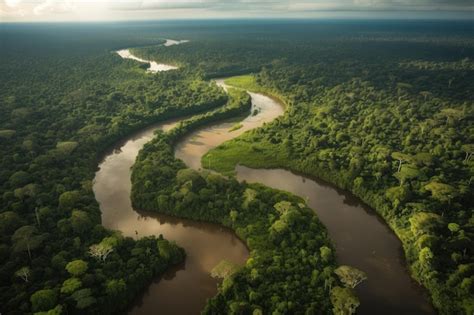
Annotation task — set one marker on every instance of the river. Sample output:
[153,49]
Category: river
[154,66]
[361,239]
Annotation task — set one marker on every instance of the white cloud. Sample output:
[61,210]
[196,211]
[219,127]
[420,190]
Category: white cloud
[137,9]
[54,6]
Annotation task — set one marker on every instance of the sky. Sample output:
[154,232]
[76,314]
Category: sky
[118,10]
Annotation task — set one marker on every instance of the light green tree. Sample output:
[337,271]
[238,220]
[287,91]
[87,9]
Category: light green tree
[350,276]
[442,192]
[77,267]
[344,301]
[70,285]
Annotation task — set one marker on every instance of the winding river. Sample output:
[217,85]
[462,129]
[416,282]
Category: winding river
[361,238]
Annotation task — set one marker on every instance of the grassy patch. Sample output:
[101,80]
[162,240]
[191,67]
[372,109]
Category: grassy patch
[247,82]
[242,151]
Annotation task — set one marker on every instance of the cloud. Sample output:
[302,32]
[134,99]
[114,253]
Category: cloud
[111,9]
[54,7]
[12,3]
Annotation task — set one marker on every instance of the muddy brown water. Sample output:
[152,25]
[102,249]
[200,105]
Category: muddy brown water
[361,238]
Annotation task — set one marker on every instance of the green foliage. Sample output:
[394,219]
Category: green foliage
[70,285]
[84,298]
[66,147]
[43,300]
[350,276]
[58,310]
[77,267]
[224,269]
[9,222]
[7,134]
[69,199]
[27,238]
[344,301]
[116,288]
[326,253]
[442,192]
[425,223]
[80,221]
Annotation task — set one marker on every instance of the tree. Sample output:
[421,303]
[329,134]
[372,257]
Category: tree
[401,157]
[350,276]
[27,238]
[77,267]
[233,214]
[425,223]
[23,273]
[83,298]
[168,251]
[441,192]
[407,173]
[326,253]
[425,258]
[69,199]
[282,206]
[28,190]
[469,150]
[80,221]
[20,179]
[100,251]
[58,310]
[192,178]
[66,147]
[224,269]
[9,222]
[115,287]
[43,300]
[344,301]
[70,285]
[7,133]
[423,158]
[452,114]
[454,227]
[249,196]
[279,226]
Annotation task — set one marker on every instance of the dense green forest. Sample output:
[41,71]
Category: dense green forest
[63,100]
[383,109]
